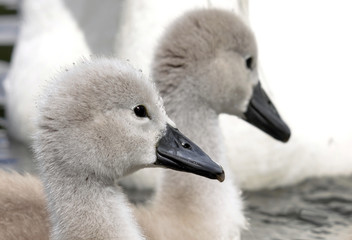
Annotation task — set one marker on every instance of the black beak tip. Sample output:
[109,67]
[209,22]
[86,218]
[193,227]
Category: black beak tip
[281,133]
[287,137]
[284,135]
[221,176]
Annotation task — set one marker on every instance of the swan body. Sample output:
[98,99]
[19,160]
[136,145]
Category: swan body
[22,210]
[49,38]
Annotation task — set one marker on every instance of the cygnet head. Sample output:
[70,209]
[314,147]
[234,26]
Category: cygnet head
[211,56]
[103,118]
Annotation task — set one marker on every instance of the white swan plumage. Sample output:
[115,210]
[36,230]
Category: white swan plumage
[49,38]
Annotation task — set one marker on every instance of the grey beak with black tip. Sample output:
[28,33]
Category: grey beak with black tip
[177,152]
[262,113]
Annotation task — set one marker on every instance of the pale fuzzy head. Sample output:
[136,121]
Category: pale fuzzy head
[211,53]
[87,123]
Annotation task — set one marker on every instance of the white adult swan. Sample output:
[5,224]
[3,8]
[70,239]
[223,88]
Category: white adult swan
[312,95]
[98,122]
[205,65]
[49,38]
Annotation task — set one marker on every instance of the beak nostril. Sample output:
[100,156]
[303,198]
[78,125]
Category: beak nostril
[186,145]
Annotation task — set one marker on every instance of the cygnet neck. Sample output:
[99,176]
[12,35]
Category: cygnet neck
[87,207]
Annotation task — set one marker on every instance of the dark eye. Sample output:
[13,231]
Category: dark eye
[249,63]
[140,111]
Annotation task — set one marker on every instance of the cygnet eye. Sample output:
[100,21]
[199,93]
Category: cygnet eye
[249,63]
[140,111]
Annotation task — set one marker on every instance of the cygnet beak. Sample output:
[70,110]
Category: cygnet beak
[177,152]
[262,113]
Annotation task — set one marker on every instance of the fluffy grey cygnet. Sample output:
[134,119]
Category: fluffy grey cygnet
[22,207]
[205,65]
[100,121]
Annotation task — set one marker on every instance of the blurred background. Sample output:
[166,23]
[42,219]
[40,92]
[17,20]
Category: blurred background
[9,24]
